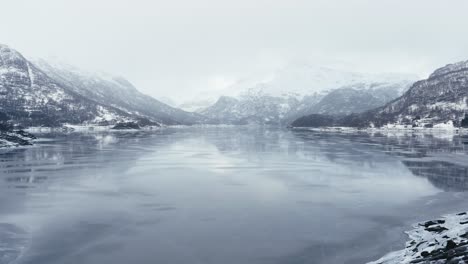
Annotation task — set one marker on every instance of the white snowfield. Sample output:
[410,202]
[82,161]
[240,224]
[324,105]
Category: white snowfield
[444,240]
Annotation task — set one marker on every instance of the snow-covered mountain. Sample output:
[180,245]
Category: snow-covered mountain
[116,92]
[257,106]
[440,100]
[253,107]
[297,80]
[50,95]
[302,79]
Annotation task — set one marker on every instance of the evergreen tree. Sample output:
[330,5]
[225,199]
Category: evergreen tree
[464,122]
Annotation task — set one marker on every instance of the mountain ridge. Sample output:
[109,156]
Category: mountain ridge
[44,95]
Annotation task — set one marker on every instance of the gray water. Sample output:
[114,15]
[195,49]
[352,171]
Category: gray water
[224,195]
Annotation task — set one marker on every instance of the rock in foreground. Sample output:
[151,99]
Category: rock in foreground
[439,241]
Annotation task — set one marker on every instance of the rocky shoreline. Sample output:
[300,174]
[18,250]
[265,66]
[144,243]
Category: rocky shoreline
[443,240]
[15,138]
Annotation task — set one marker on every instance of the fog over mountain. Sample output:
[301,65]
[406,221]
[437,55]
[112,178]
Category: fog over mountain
[440,101]
[181,49]
[44,94]
[299,90]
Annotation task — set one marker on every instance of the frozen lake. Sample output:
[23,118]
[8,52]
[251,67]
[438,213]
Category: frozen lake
[224,195]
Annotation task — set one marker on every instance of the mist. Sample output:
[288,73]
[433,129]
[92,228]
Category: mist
[178,49]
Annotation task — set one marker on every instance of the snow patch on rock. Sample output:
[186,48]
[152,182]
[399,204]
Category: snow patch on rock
[439,241]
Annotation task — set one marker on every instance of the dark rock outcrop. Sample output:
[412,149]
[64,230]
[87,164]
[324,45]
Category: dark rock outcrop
[443,241]
[11,137]
[464,122]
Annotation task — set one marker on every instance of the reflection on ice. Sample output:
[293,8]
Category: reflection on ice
[13,242]
[225,195]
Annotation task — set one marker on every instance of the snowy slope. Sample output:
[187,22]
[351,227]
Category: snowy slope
[439,241]
[46,95]
[116,92]
[30,97]
[441,100]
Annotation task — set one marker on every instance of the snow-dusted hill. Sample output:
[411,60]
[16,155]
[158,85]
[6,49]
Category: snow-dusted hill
[45,95]
[440,100]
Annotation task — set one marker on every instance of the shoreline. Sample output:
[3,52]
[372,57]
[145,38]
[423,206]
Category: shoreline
[12,139]
[454,130]
[443,240]
[15,139]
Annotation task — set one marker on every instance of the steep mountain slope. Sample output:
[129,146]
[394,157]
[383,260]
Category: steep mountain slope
[440,99]
[31,96]
[116,92]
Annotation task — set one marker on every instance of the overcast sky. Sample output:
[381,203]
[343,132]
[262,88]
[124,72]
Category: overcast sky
[178,48]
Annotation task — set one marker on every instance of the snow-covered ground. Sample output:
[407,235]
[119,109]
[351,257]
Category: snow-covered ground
[443,240]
